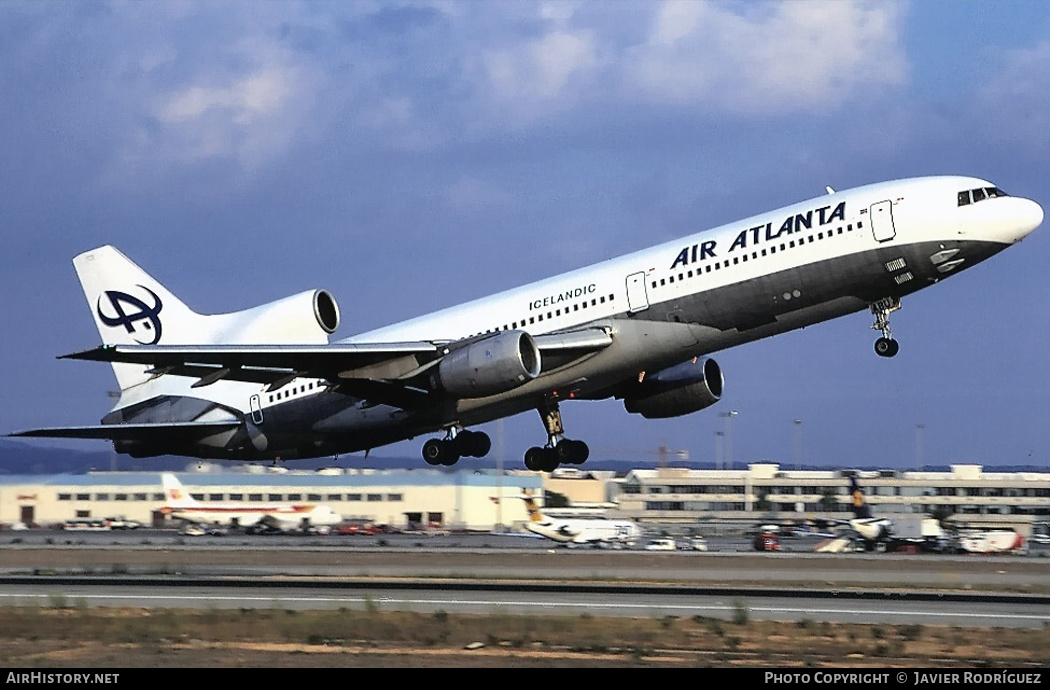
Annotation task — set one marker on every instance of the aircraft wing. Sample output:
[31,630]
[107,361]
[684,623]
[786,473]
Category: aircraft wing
[379,372]
[282,359]
[134,432]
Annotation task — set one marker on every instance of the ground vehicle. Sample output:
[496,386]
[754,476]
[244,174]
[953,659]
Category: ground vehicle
[121,522]
[697,543]
[661,545]
[766,541]
[85,524]
[358,528]
[193,529]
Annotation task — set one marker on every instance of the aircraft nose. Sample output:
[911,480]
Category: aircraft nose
[1012,220]
[1029,217]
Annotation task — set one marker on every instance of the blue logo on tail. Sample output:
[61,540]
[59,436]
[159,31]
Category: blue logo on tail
[146,314]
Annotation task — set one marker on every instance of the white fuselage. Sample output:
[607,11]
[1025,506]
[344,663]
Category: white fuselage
[282,515]
[586,531]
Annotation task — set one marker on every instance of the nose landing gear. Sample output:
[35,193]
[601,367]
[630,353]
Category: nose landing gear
[885,346]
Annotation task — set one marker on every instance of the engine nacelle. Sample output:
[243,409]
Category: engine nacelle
[678,390]
[307,318]
[490,366]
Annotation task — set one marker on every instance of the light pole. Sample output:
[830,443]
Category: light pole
[920,461]
[728,416]
[719,444]
[798,444]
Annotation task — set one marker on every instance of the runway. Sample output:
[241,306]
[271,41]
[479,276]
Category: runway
[487,598]
[485,573]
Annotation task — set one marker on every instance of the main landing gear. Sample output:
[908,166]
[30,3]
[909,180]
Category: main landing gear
[885,346]
[559,450]
[456,444]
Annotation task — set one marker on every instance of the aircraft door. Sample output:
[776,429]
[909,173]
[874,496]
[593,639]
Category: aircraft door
[637,296]
[881,218]
[256,406]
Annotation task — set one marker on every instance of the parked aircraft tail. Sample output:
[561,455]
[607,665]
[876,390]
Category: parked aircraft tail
[175,496]
[130,307]
[534,510]
[860,508]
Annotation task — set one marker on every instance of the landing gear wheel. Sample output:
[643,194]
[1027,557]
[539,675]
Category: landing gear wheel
[534,459]
[440,452]
[572,452]
[886,347]
[474,444]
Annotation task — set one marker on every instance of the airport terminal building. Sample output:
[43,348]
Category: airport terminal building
[403,499]
[966,495]
[485,499]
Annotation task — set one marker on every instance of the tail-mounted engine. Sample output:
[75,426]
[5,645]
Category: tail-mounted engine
[307,318]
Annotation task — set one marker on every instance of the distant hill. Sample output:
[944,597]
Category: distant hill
[17,457]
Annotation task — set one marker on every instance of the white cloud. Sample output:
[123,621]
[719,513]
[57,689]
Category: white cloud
[790,56]
[1014,104]
[541,75]
[249,113]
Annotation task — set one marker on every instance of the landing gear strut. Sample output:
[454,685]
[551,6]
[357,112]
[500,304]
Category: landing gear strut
[559,449]
[885,346]
[457,443]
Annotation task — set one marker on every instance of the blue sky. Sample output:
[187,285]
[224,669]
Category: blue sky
[410,156]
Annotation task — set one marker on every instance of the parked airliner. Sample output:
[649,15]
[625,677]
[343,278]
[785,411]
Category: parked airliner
[579,531]
[179,504]
[265,383]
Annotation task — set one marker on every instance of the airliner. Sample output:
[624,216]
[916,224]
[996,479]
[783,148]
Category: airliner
[579,531]
[871,533]
[866,529]
[179,504]
[266,384]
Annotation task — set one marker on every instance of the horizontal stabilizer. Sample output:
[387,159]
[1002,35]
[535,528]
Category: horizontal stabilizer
[133,432]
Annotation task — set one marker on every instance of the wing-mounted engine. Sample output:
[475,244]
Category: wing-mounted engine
[490,366]
[306,318]
[678,390]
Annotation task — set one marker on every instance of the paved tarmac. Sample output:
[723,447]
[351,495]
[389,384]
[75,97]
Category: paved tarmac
[460,556]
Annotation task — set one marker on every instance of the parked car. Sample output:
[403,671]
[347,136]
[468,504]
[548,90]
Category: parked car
[121,522]
[661,545]
[192,529]
[86,524]
[696,544]
[766,541]
[359,528]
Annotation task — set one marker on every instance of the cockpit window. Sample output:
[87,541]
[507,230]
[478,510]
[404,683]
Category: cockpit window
[980,194]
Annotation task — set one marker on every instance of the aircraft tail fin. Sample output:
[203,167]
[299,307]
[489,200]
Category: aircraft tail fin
[534,510]
[131,307]
[860,508]
[175,495]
